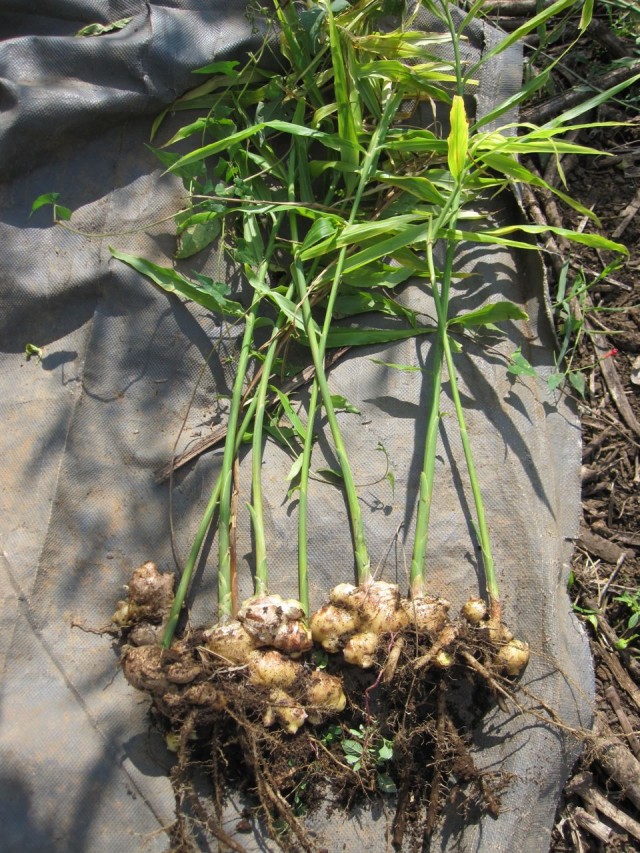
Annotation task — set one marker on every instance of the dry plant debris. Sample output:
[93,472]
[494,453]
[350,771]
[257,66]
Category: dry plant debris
[600,802]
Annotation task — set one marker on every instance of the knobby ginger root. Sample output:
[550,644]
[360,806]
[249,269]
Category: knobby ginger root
[262,646]
[357,618]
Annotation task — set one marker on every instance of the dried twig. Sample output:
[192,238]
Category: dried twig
[600,343]
[617,760]
[614,700]
[592,825]
[627,215]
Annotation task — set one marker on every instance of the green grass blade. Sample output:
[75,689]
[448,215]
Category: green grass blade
[497,312]
[209,296]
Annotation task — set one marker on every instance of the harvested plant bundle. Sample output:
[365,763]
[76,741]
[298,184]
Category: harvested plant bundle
[330,200]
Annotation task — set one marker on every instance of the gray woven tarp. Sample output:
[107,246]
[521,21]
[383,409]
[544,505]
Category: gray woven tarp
[85,430]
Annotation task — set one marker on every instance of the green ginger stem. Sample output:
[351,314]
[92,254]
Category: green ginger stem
[317,345]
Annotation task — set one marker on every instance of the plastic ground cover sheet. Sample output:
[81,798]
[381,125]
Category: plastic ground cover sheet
[86,428]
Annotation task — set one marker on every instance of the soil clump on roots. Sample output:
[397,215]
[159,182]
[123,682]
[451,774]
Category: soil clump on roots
[268,711]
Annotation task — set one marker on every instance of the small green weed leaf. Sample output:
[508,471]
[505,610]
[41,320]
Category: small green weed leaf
[385,753]
[32,351]
[196,237]
[456,346]
[589,616]
[578,382]
[385,784]
[44,199]
[333,733]
[341,404]
[458,139]
[59,212]
[554,381]
[101,29]
[351,747]
[497,312]
[389,476]
[624,642]
[519,365]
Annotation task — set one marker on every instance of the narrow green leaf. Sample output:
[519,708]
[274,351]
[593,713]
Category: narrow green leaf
[587,14]
[413,78]
[402,44]
[199,126]
[330,140]
[496,236]
[295,468]
[595,241]
[415,142]
[420,186]
[205,292]
[226,67]
[408,236]
[497,312]
[350,303]
[518,34]
[339,337]
[291,414]
[323,229]
[591,103]
[341,404]
[101,29]
[346,120]
[409,368]
[458,139]
[377,275]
